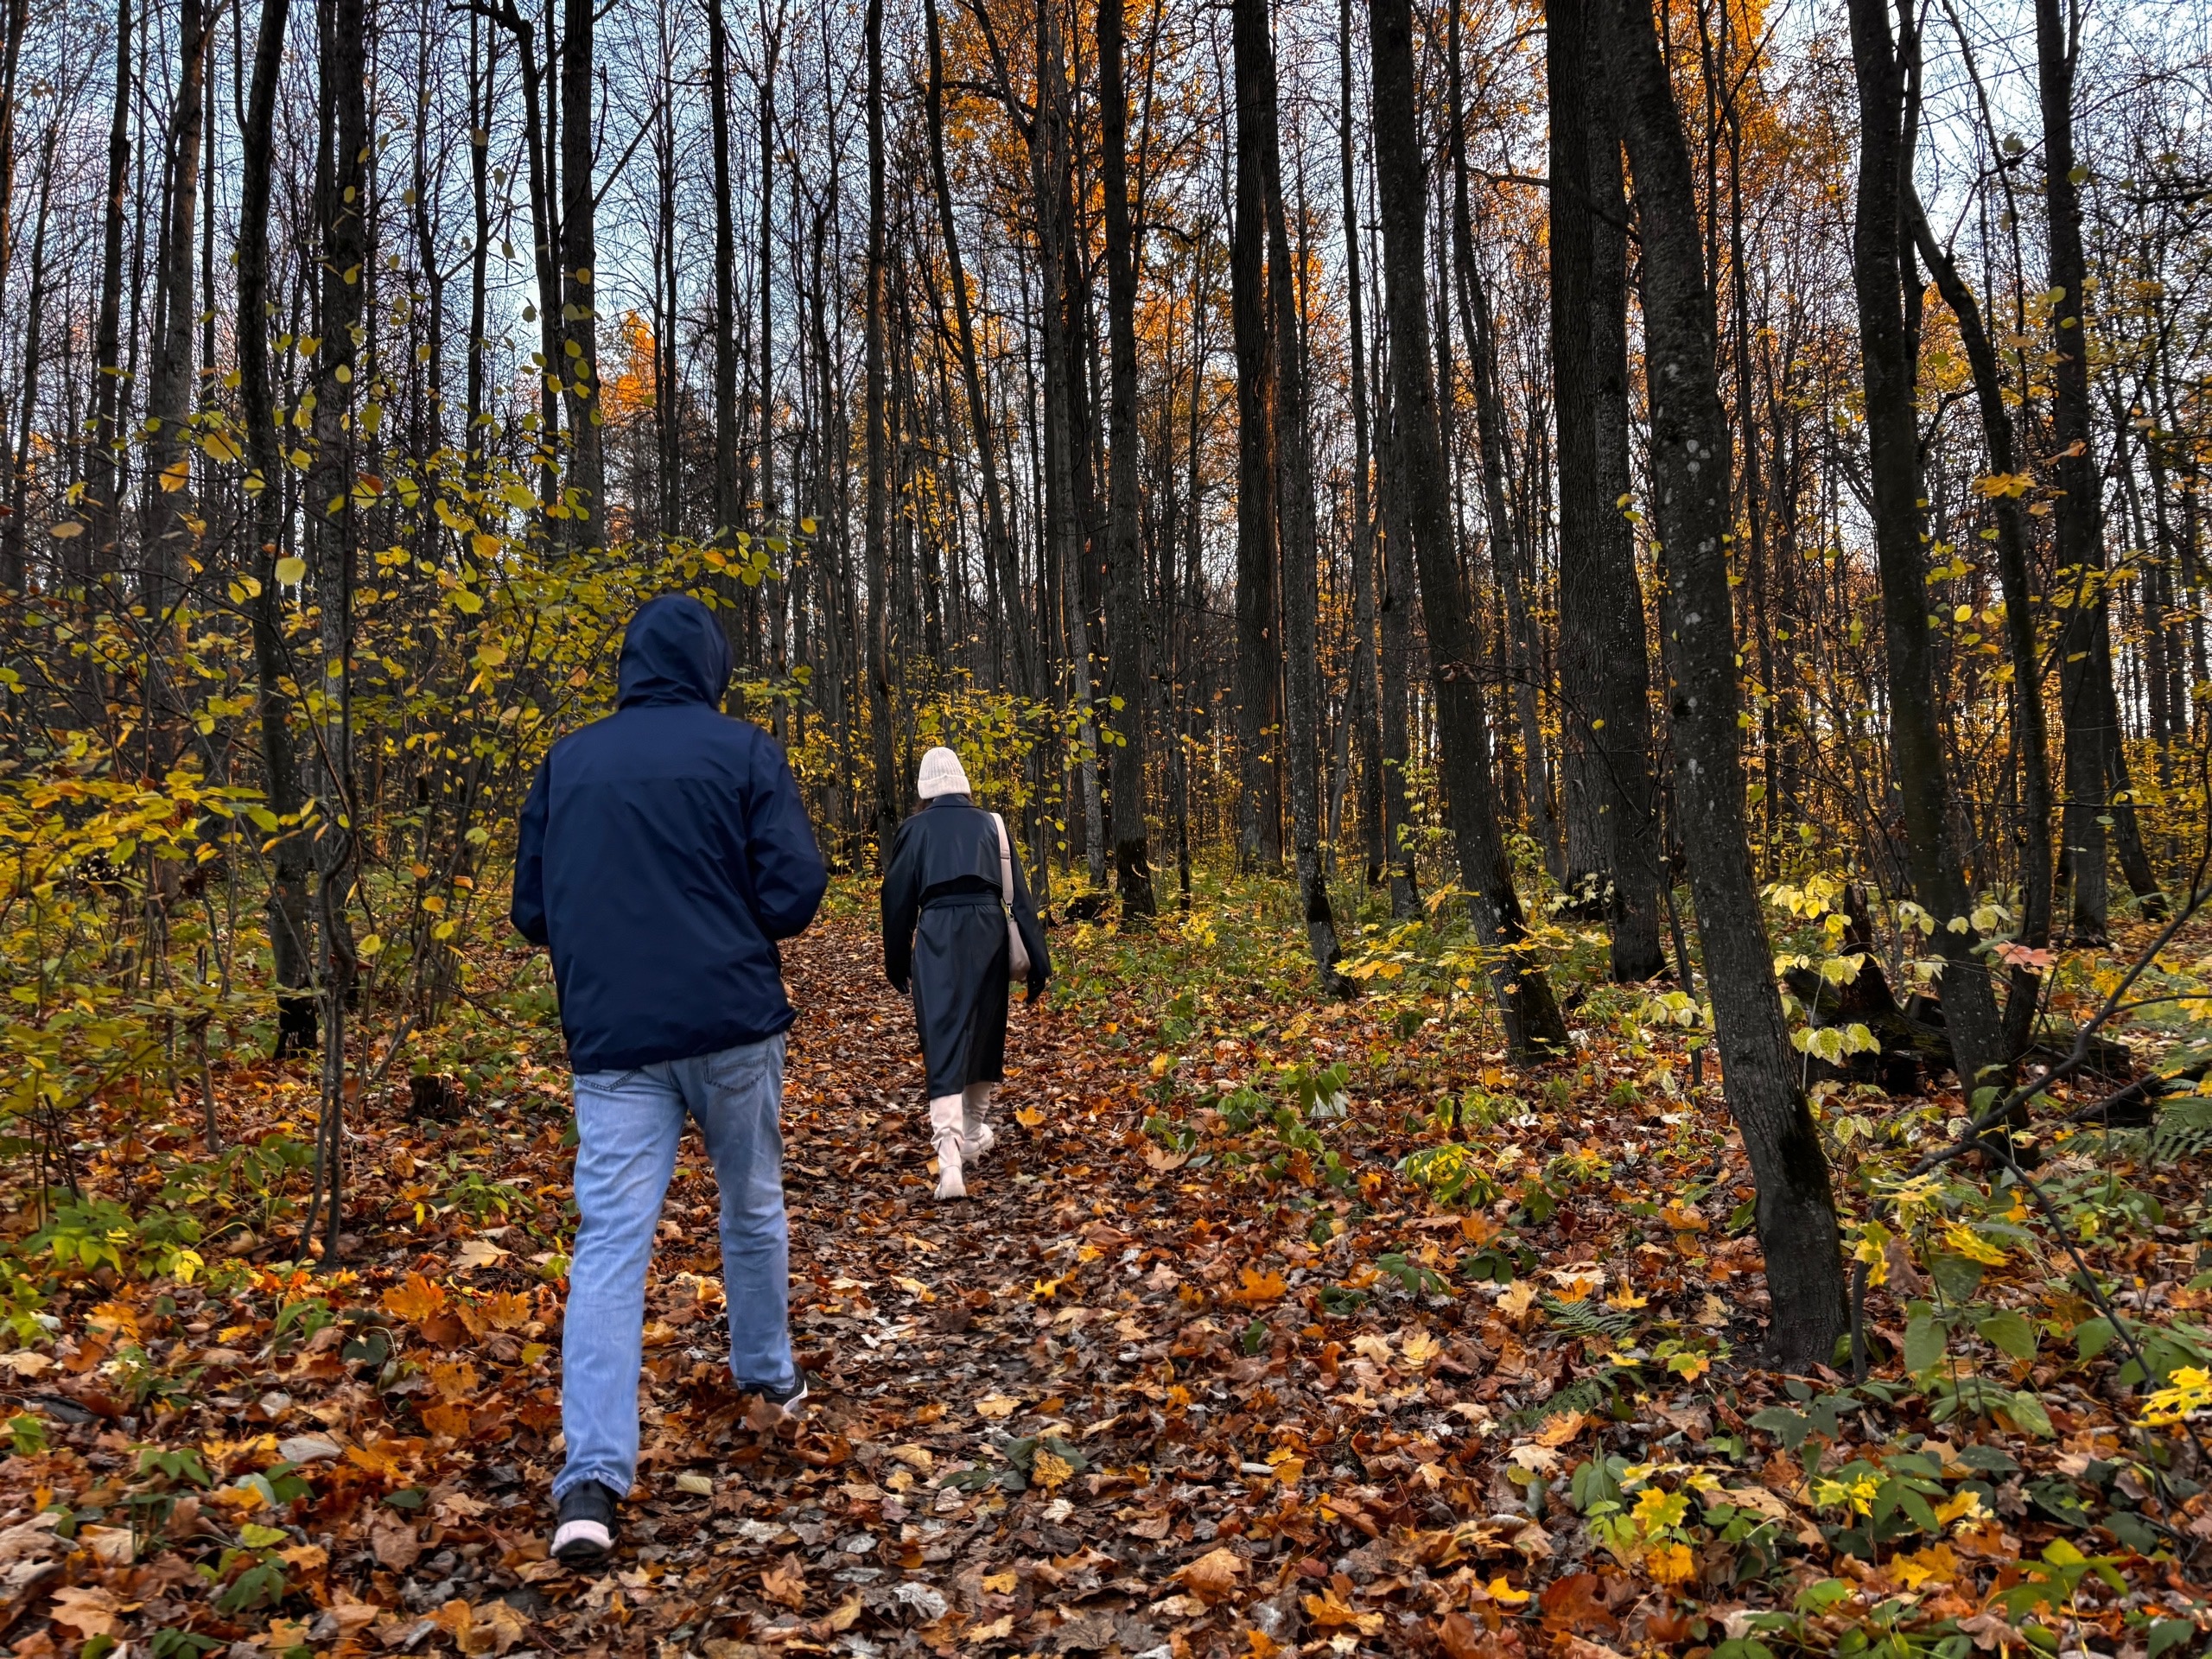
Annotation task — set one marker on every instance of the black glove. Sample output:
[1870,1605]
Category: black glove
[897,985]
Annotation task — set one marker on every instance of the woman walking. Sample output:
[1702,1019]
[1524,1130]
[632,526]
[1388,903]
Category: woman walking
[957,919]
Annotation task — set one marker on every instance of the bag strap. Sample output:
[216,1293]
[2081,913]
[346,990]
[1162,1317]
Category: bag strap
[1005,865]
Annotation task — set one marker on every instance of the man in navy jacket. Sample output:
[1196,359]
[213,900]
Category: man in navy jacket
[664,852]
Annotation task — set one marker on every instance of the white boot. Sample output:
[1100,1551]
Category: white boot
[976,1129]
[945,1130]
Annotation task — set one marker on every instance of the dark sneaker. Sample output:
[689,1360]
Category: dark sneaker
[583,1535]
[777,1405]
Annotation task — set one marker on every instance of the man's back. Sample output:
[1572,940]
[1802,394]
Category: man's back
[663,851]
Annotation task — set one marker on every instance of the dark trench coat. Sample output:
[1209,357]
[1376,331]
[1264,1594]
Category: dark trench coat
[944,933]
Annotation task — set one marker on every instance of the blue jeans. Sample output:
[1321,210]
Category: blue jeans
[627,1127]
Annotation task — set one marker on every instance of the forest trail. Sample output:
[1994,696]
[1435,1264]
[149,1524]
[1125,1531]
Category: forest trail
[1023,1330]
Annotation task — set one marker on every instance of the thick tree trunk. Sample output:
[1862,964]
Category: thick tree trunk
[1690,467]
[14,577]
[1298,539]
[1259,641]
[1533,1026]
[578,369]
[1509,555]
[1365,703]
[103,461]
[1605,672]
[889,791]
[1129,685]
[728,508]
[2079,519]
[166,552]
[287,907]
[1879,274]
[999,549]
[2031,739]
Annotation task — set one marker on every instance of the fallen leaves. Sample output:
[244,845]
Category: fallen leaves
[415,1301]
[1213,1575]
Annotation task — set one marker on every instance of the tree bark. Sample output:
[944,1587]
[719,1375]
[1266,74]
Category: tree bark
[1128,683]
[1605,672]
[104,462]
[1298,550]
[2079,519]
[728,508]
[1532,1026]
[1690,468]
[999,550]
[1365,711]
[1509,553]
[2031,738]
[168,390]
[1259,662]
[1880,273]
[287,906]
[876,414]
[586,499]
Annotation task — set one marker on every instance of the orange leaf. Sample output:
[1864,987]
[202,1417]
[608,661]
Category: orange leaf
[415,1301]
[1259,1287]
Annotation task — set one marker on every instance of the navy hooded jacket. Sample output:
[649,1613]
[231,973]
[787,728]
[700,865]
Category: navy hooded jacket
[663,851]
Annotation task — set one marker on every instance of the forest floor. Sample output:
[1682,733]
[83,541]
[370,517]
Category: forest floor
[1199,1370]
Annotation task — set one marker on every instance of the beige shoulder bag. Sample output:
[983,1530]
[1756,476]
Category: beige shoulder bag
[1017,954]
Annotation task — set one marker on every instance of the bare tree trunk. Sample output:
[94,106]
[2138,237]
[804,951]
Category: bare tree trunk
[1129,685]
[2079,518]
[13,25]
[287,906]
[1880,276]
[1532,1026]
[999,550]
[14,576]
[1297,541]
[888,793]
[1509,554]
[1364,710]
[1604,673]
[2031,739]
[586,499]
[1690,469]
[169,389]
[103,464]
[1258,653]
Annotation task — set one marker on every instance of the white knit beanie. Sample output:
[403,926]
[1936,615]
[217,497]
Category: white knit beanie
[942,774]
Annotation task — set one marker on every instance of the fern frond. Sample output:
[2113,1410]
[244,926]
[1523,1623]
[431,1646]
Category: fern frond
[2183,1130]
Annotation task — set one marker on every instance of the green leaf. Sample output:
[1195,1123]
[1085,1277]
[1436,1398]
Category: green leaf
[290,570]
[1956,1276]
[2010,1332]
[1925,1337]
[2027,1411]
[2092,1337]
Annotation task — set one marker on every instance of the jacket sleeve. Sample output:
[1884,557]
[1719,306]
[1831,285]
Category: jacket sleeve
[1032,936]
[902,902]
[527,912]
[787,874]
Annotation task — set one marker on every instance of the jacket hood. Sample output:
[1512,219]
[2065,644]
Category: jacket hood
[673,652]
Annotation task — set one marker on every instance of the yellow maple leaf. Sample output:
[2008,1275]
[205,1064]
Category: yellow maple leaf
[453,1381]
[1671,1564]
[1259,1287]
[415,1301]
[1048,1470]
